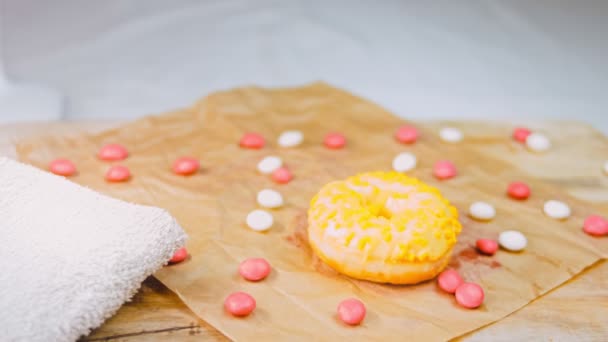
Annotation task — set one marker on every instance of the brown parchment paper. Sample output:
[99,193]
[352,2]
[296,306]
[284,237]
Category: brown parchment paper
[299,299]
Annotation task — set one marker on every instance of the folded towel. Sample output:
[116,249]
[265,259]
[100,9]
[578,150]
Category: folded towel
[70,257]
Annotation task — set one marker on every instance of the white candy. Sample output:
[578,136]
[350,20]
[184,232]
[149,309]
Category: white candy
[269,164]
[538,142]
[556,209]
[512,240]
[451,134]
[482,211]
[290,138]
[270,199]
[606,167]
[259,220]
[404,162]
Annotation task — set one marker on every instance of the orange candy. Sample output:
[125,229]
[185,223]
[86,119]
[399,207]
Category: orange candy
[351,311]
[487,246]
[179,255]
[444,170]
[518,190]
[112,152]
[521,134]
[469,295]
[62,167]
[282,175]
[335,140]
[118,173]
[239,304]
[185,166]
[406,134]
[252,140]
[449,280]
[254,269]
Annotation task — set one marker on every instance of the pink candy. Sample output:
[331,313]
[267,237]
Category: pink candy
[335,140]
[118,173]
[254,269]
[282,175]
[444,170]
[596,225]
[239,304]
[112,152]
[449,280]
[469,295]
[185,166]
[487,246]
[62,167]
[179,255]
[521,134]
[406,134]
[252,140]
[351,311]
[518,190]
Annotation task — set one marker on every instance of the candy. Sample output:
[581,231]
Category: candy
[351,311]
[269,164]
[406,134]
[538,142]
[518,190]
[180,255]
[404,162]
[282,175]
[252,140]
[269,198]
[512,240]
[606,167]
[112,152]
[118,173]
[290,138]
[239,304]
[521,134]
[596,225]
[259,220]
[449,280]
[335,140]
[556,209]
[185,166]
[62,167]
[482,211]
[469,295]
[254,269]
[487,246]
[451,134]
[444,169]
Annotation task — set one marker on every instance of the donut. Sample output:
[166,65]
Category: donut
[383,227]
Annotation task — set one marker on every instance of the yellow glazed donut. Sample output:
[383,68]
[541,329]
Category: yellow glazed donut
[384,227]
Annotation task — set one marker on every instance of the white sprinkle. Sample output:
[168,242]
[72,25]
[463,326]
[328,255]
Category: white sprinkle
[556,209]
[538,142]
[269,164]
[270,199]
[512,240]
[259,220]
[451,134]
[404,162]
[482,211]
[606,167]
[290,138]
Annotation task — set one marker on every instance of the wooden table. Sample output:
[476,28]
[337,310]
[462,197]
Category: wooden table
[576,311]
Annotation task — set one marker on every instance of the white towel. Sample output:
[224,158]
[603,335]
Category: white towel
[70,257]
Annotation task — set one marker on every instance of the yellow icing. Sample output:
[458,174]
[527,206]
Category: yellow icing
[420,230]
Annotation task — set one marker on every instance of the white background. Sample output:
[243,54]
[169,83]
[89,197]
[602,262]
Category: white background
[512,60]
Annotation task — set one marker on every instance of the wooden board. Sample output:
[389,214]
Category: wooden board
[556,315]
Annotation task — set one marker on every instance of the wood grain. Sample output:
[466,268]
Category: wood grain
[575,311]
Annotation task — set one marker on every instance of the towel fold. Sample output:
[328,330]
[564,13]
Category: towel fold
[69,256]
